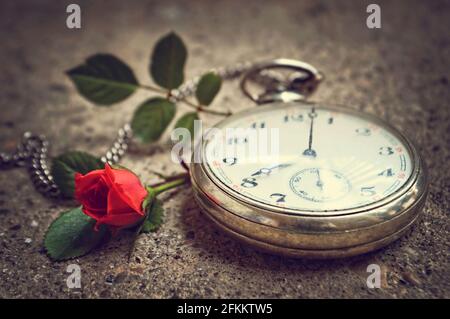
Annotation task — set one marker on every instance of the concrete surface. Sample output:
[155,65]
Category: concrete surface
[399,72]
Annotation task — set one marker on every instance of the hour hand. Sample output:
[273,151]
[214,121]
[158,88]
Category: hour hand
[268,170]
[264,170]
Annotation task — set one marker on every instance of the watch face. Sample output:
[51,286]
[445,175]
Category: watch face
[307,157]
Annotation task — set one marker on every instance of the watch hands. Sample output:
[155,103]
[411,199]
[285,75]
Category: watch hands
[309,151]
[267,171]
[319,182]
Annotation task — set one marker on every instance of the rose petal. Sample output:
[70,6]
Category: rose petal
[83,182]
[128,186]
[116,205]
[91,190]
[97,195]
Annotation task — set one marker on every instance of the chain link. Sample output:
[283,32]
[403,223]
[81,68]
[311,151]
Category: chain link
[32,151]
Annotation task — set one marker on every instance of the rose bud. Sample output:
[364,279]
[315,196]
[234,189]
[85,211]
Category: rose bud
[111,196]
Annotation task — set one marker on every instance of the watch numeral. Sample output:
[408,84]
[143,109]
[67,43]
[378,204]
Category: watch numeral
[237,140]
[297,179]
[281,197]
[385,150]
[330,120]
[363,131]
[368,191]
[249,182]
[258,125]
[230,161]
[297,118]
[387,172]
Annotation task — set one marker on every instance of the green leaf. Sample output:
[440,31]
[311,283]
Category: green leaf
[72,235]
[151,119]
[104,79]
[207,88]
[187,121]
[155,214]
[66,165]
[167,63]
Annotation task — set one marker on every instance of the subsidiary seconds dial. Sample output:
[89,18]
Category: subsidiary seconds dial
[319,185]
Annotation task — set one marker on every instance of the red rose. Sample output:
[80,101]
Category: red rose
[111,196]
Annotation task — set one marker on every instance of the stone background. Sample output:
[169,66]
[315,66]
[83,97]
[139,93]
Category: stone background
[399,72]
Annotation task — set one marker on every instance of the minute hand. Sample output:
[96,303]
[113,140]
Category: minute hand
[309,151]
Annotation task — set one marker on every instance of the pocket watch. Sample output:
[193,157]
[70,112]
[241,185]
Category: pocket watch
[336,182]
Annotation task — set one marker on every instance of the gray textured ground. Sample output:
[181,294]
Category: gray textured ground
[400,72]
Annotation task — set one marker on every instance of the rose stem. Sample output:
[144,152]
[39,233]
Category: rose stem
[199,108]
[168,178]
[159,188]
